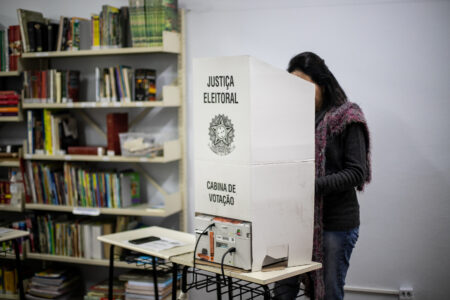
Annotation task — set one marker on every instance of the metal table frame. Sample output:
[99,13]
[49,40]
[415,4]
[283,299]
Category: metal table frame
[234,288]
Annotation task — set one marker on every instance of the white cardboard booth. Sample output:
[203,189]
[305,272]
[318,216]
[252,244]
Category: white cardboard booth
[254,162]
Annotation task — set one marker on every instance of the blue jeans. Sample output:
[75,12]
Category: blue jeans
[338,247]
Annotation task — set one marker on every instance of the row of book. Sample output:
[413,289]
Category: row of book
[9,103]
[58,284]
[56,133]
[74,237]
[51,86]
[110,28]
[121,84]
[10,48]
[41,34]
[149,18]
[50,132]
[8,279]
[140,25]
[75,186]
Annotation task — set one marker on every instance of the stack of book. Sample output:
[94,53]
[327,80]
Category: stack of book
[74,185]
[53,284]
[50,132]
[139,285]
[99,291]
[9,104]
[149,18]
[10,48]
[51,86]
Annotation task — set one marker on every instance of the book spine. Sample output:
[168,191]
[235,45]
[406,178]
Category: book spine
[48,132]
[95,31]
[30,131]
[73,87]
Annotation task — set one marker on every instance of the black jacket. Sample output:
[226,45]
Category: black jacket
[345,169]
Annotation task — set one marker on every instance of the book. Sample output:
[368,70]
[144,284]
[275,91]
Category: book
[73,86]
[130,188]
[85,150]
[145,84]
[81,29]
[25,16]
[95,31]
[10,283]
[115,123]
[125,29]
[52,36]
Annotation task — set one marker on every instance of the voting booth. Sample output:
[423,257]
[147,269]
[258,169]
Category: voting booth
[253,163]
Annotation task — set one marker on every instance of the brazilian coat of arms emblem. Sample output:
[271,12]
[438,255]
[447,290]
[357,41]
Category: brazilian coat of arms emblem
[221,135]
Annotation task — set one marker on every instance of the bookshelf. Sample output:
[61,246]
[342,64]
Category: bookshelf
[10,74]
[81,260]
[171,44]
[11,208]
[11,119]
[10,163]
[9,296]
[172,96]
[172,205]
[171,152]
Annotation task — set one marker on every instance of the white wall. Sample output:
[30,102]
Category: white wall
[391,57]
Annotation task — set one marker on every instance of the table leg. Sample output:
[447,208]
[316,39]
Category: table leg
[174,280]
[230,288]
[219,287]
[19,270]
[266,292]
[155,277]
[184,279]
[111,272]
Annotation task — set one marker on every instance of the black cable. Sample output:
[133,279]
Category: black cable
[230,250]
[196,244]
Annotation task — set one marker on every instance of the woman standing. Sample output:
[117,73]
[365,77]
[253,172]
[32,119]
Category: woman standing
[342,167]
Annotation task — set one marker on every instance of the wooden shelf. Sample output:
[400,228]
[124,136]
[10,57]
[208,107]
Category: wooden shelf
[171,44]
[9,296]
[11,119]
[172,205]
[10,255]
[8,207]
[11,163]
[171,98]
[10,74]
[171,150]
[80,260]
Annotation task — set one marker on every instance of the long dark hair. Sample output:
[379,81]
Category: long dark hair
[312,65]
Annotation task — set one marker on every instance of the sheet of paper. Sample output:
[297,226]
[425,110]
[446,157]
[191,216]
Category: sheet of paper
[159,245]
[4,230]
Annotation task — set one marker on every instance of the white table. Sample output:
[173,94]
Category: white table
[7,234]
[121,239]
